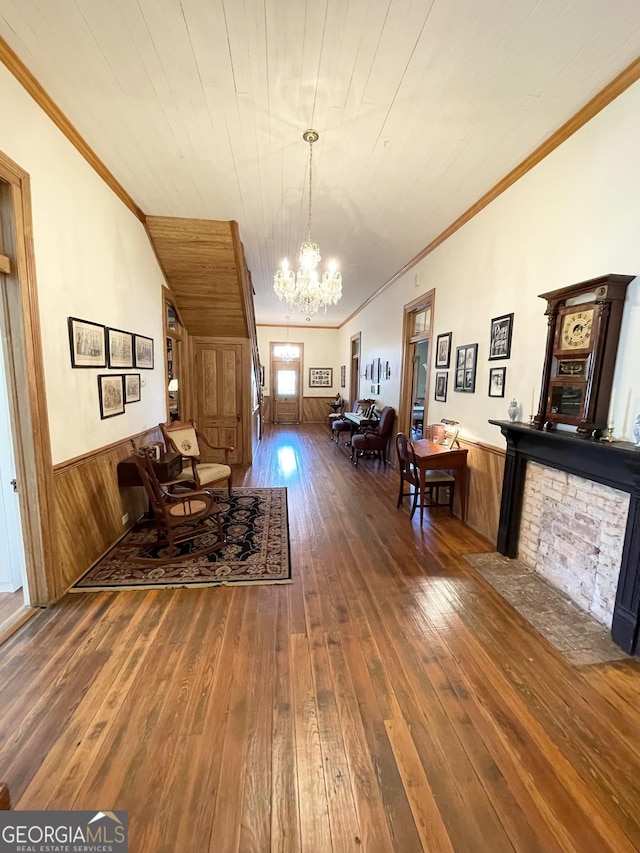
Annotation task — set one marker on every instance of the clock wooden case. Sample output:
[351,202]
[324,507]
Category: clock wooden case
[580,355]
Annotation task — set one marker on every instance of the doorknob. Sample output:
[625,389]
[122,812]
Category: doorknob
[14,485]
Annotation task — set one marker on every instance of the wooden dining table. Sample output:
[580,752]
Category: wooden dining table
[432,456]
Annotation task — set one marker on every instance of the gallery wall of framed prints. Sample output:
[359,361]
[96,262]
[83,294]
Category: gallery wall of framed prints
[95,345]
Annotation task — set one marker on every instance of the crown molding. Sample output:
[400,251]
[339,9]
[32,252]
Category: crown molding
[22,74]
[611,91]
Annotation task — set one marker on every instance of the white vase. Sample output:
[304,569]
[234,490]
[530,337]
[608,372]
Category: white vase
[513,410]
[636,431]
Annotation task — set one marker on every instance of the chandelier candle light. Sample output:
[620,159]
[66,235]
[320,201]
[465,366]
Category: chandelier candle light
[305,291]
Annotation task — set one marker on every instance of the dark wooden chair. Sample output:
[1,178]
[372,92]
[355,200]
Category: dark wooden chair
[408,473]
[184,438]
[374,440]
[181,516]
[435,481]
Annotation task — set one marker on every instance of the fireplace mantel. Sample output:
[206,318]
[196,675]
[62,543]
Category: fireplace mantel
[615,464]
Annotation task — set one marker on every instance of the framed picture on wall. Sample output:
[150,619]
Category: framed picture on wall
[343,376]
[119,348]
[443,350]
[132,388]
[466,363]
[441,387]
[500,340]
[144,352]
[111,391]
[320,377]
[87,343]
[496,381]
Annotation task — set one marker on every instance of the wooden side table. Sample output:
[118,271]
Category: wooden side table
[167,468]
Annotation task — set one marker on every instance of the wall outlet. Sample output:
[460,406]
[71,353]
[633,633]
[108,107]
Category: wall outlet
[125,518]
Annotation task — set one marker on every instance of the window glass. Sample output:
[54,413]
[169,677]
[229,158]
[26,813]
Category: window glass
[288,351]
[286,382]
[421,321]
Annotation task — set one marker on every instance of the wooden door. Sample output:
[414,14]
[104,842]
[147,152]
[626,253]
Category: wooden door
[286,392]
[218,397]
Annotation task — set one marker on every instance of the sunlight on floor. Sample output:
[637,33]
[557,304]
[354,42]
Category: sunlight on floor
[287,461]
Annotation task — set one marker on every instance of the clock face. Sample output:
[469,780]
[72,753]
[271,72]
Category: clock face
[576,330]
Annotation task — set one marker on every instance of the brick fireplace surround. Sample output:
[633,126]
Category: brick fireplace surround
[616,465]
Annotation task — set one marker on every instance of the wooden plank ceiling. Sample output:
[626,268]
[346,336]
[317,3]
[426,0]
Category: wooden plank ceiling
[201,260]
[198,109]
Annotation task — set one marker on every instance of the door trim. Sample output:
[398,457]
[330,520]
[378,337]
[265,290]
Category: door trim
[20,319]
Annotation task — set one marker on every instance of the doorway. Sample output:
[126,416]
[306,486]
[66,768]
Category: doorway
[420,374]
[13,585]
[26,468]
[354,376]
[417,330]
[285,382]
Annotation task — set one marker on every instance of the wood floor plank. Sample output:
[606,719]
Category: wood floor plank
[285,820]
[343,819]
[426,815]
[315,833]
[387,700]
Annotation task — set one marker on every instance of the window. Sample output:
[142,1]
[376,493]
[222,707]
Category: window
[286,351]
[286,381]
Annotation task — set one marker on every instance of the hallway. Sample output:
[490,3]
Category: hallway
[387,700]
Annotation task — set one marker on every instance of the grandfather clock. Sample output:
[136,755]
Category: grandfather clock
[580,354]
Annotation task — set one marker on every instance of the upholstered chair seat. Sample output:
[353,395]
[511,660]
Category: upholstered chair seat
[184,438]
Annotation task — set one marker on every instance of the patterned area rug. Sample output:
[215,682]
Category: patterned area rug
[256,530]
[580,638]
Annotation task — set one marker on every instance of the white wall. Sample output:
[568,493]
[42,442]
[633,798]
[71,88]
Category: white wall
[93,261]
[320,350]
[573,217]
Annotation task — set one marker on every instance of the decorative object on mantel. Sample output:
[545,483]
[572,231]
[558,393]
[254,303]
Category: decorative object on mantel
[636,431]
[304,291]
[513,409]
[582,342]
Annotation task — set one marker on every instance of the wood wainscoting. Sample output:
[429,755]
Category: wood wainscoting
[89,508]
[316,409]
[486,467]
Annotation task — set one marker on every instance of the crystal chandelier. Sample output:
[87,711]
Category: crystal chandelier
[305,291]
[287,351]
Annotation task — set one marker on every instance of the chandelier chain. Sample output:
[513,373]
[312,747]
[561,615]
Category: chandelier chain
[307,291]
[310,188]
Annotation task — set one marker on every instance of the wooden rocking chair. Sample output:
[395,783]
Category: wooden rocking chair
[179,517]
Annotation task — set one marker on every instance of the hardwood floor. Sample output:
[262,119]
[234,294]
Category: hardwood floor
[10,602]
[387,700]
